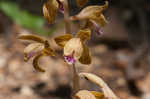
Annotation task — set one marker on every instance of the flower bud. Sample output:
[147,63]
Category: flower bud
[50,10]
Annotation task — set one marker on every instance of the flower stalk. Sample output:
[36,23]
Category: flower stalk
[76,85]
[66,17]
[68,30]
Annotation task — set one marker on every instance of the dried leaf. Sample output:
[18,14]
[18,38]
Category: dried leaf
[35,63]
[73,47]
[84,34]
[86,57]
[84,94]
[31,38]
[81,3]
[32,49]
[98,81]
[62,40]
[50,9]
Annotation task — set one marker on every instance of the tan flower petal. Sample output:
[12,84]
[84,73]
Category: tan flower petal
[90,12]
[86,57]
[84,34]
[32,49]
[84,94]
[31,38]
[88,24]
[50,9]
[98,81]
[35,63]
[62,40]
[48,50]
[98,95]
[73,47]
[101,20]
[81,3]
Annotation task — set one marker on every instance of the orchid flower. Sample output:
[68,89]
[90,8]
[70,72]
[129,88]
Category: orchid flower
[74,47]
[38,48]
[93,17]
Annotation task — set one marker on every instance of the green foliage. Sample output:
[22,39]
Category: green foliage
[24,18]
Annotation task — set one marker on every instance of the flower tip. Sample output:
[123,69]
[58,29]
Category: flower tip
[106,4]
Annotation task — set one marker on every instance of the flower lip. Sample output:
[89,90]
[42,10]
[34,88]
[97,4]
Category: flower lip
[60,7]
[74,47]
[28,56]
[69,59]
[96,28]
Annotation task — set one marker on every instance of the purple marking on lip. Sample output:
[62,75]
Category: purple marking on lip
[69,59]
[97,28]
[28,56]
[61,7]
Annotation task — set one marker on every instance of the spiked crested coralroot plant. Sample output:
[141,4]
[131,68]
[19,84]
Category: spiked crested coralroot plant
[74,46]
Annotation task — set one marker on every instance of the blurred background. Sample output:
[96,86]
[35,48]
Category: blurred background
[121,56]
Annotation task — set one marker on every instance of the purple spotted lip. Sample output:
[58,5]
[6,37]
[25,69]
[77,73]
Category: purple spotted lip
[70,60]
[61,6]
[96,28]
